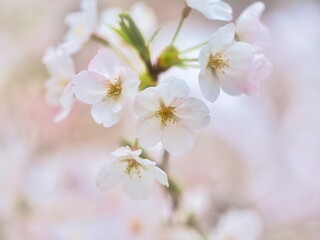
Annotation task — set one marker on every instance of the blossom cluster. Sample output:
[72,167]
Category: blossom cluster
[125,71]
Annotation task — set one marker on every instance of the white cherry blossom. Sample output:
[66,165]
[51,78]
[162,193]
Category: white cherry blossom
[167,114]
[81,26]
[250,29]
[224,63]
[245,224]
[136,175]
[107,86]
[212,9]
[59,86]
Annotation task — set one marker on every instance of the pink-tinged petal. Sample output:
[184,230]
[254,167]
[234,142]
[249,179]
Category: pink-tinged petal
[102,113]
[111,174]
[209,84]
[177,139]
[212,9]
[89,87]
[106,63]
[261,69]
[250,29]
[145,104]
[139,186]
[130,81]
[221,39]
[233,77]
[204,57]
[145,162]
[193,113]
[171,89]
[159,175]
[66,101]
[149,131]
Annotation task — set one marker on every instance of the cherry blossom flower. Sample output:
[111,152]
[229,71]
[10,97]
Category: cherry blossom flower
[212,9]
[238,225]
[59,86]
[81,26]
[224,63]
[166,114]
[250,29]
[136,175]
[106,85]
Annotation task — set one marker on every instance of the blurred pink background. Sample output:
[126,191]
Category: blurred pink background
[258,153]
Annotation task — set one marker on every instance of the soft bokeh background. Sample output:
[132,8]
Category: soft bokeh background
[258,153]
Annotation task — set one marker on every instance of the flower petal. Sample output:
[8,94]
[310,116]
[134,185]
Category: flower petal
[149,131]
[212,9]
[159,175]
[171,89]
[145,104]
[89,87]
[193,113]
[221,38]
[177,139]
[110,174]
[130,81]
[209,84]
[139,186]
[66,101]
[250,29]
[102,113]
[106,63]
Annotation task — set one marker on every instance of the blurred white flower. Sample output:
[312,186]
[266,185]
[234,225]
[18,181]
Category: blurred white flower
[81,26]
[137,175]
[250,29]
[212,9]
[166,114]
[224,63]
[59,86]
[106,85]
[238,225]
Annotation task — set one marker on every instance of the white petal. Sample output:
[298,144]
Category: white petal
[250,29]
[66,102]
[212,9]
[106,63]
[209,84]
[89,87]
[149,131]
[126,151]
[145,104]
[139,187]
[171,89]
[261,70]
[159,175]
[130,81]
[110,174]
[193,113]
[102,113]
[177,139]
[235,75]
[221,38]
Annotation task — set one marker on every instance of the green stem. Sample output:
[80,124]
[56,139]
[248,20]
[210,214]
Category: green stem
[184,15]
[193,47]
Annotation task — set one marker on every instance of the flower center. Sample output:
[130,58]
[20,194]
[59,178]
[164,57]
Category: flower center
[219,62]
[166,114]
[133,168]
[114,90]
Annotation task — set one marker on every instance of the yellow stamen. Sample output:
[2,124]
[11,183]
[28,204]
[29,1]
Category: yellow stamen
[219,62]
[133,168]
[166,114]
[114,90]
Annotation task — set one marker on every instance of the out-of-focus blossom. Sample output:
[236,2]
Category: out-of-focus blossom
[107,86]
[250,29]
[166,114]
[137,175]
[81,25]
[179,233]
[224,63]
[238,225]
[59,86]
[212,9]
